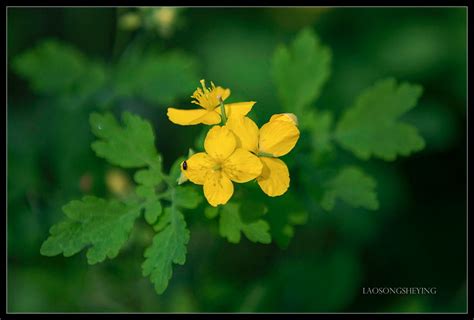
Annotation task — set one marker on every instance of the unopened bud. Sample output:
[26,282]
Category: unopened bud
[118,182]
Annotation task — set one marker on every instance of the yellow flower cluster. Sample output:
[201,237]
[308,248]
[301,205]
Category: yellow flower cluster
[238,151]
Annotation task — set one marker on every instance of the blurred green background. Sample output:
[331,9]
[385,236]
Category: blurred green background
[416,238]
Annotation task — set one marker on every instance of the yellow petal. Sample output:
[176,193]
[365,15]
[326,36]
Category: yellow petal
[211,118]
[224,93]
[275,178]
[290,117]
[218,188]
[193,116]
[278,137]
[245,131]
[220,143]
[242,166]
[237,109]
[208,98]
[198,166]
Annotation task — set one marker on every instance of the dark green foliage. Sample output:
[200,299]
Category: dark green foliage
[158,78]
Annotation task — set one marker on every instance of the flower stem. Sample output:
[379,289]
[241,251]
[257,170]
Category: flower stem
[223,115]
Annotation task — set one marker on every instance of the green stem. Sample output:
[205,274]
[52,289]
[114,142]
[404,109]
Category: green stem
[223,115]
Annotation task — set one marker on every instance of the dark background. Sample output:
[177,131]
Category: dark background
[416,238]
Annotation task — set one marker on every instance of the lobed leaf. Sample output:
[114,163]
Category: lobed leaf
[168,247]
[301,70]
[149,177]
[130,146]
[352,186]
[371,127]
[152,211]
[231,225]
[57,68]
[99,225]
[187,197]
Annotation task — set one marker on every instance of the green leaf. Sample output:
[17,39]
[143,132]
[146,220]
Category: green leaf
[168,247]
[371,127]
[51,67]
[148,180]
[149,177]
[153,211]
[187,197]
[130,146]
[231,225]
[300,70]
[157,78]
[257,231]
[164,221]
[146,192]
[99,225]
[352,186]
[56,68]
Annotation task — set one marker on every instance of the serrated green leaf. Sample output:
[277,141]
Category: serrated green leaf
[99,225]
[153,211]
[300,70]
[257,231]
[130,146]
[149,177]
[157,78]
[187,197]
[146,192]
[231,225]
[352,186]
[163,221]
[371,127]
[57,68]
[168,247]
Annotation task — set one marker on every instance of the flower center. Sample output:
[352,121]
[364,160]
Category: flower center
[265,154]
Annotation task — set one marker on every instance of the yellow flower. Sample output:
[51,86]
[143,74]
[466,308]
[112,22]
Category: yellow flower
[222,163]
[209,100]
[274,139]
